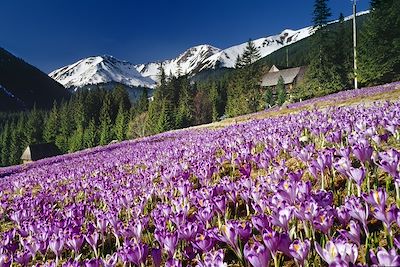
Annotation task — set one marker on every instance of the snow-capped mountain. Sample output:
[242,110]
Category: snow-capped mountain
[107,69]
[100,69]
[203,57]
[190,61]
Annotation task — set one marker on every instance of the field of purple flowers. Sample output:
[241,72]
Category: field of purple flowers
[315,188]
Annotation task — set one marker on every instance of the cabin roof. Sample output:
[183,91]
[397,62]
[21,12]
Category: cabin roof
[39,151]
[271,78]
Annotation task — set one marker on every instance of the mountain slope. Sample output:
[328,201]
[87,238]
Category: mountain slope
[204,57]
[192,60]
[100,70]
[22,85]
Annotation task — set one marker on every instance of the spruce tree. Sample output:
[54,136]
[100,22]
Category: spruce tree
[281,91]
[165,121]
[76,140]
[90,135]
[184,115]
[214,99]
[66,124]
[17,145]
[105,120]
[322,76]
[142,104]
[121,97]
[250,55]
[121,124]
[5,145]
[379,49]
[34,126]
[51,125]
[268,97]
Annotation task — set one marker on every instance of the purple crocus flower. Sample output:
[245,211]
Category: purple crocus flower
[30,244]
[384,257]
[357,175]
[157,257]
[339,250]
[323,221]
[260,222]
[229,235]
[363,153]
[5,260]
[377,198]
[244,229]
[22,258]
[170,241]
[110,260]
[343,215]
[299,250]
[213,258]
[92,240]
[173,263]
[358,211]
[282,217]
[188,231]
[354,234]
[92,263]
[203,242]
[75,243]
[271,240]
[56,245]
[257,254]
[329,254]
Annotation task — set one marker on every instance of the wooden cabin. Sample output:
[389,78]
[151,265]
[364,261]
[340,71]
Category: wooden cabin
[39,151]
[291,77]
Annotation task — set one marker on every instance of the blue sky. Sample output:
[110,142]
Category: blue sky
[52,33]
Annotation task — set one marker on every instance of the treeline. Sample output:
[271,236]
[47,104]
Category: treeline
[88,119]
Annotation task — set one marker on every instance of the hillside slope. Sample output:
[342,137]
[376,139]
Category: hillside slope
[22,85]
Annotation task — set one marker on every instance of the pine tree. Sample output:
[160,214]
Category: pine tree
[165,121]
[379,49]
[268,97]
[250,55]
[17,141]
[105,121]
[214,99]
[321,13]
[121,97]
[5,145]
[90,135]
[343,53]
[142,104]
[322,76]
[66,124]
[51,125]
[76,140]
[33,129]
[281,91]
[121,124]
[184,115]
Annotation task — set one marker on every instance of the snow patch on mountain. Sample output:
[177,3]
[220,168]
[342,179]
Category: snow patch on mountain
[100,69]
[190,61]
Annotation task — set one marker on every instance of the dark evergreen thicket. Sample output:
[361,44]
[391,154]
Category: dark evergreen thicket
[379,50]
[88,119]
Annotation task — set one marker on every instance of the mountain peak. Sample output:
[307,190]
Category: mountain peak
[100,69]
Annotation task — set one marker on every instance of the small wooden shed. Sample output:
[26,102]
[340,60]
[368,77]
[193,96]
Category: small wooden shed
[39,151]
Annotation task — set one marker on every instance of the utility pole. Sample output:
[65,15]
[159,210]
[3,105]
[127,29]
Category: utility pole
[355,42]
